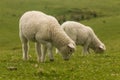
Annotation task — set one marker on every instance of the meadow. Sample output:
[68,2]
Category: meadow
[102,15]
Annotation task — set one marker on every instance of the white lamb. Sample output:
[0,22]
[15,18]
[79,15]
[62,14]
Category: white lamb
[46,31]
[83,35]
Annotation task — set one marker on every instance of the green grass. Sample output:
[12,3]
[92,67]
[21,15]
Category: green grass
[91,67]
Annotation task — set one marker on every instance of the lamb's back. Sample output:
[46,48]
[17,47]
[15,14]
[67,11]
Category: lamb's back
[77,31]
[36,23]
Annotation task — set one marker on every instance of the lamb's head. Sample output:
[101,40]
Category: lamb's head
[100,48]
[67,50]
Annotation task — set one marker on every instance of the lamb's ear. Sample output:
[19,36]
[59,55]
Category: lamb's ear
[71,45]
[101,47]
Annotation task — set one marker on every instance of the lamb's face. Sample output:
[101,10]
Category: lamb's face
[67,51]
[100,49]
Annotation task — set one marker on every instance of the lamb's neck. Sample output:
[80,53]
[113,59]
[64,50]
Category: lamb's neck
[59,37]
[96,41]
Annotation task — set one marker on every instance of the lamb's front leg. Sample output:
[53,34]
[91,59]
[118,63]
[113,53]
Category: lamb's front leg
[50,51]
[38,49]
[43,51]
[56,51]
[85,50]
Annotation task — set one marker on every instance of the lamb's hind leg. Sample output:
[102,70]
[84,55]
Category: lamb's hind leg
[38,50]
[25,47]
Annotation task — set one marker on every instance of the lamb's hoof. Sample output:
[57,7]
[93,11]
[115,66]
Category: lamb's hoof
[51,60]
[42,61]
[25,59]
[66,59]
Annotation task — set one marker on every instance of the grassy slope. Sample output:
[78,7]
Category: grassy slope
[91,67]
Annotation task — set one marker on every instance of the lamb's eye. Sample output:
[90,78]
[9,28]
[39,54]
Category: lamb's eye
[71,50]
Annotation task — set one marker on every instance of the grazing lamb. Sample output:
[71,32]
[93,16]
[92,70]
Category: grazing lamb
[83,35]
[44,30]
